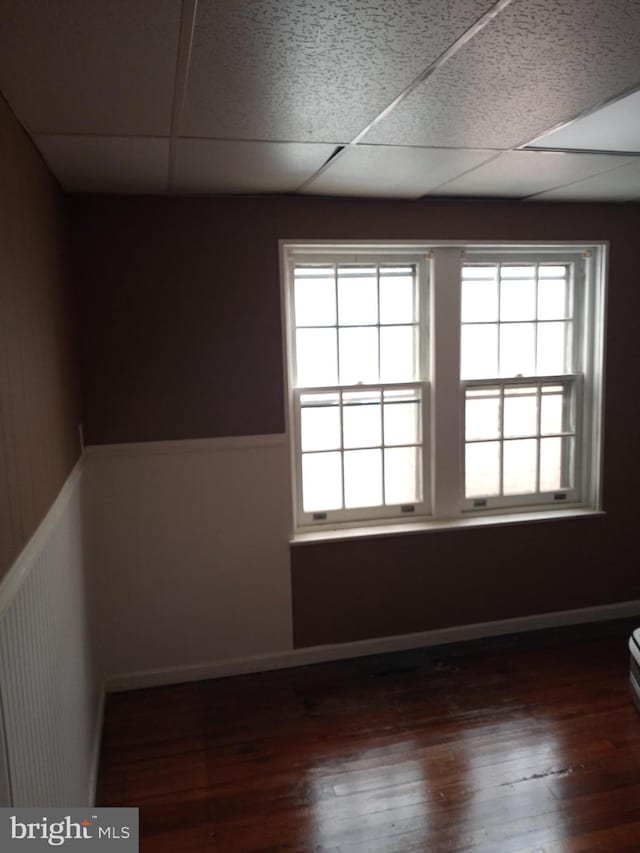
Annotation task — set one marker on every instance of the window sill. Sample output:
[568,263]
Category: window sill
[375,531]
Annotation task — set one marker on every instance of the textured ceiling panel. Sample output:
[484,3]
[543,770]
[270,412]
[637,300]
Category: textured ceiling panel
[107,165]
[83,66]
[537,63]
[516,174]
[613,128]
[219,166]
[374,170]
[311,70]
[621,184]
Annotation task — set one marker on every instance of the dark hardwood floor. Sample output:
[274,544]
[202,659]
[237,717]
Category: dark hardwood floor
[526,743]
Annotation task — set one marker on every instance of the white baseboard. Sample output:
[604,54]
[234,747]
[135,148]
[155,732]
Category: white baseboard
[95,753]
[361,648]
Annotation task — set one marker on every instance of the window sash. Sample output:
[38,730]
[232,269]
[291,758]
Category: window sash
[533,321]
[570,431]
[398,510]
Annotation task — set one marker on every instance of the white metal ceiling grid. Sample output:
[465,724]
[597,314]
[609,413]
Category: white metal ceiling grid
[538,63]
[397,172]
[219,165]
[111,89]
[517,174]
[311,70]
[621,184]
[615,127]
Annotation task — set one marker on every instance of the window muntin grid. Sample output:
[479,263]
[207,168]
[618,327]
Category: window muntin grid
[520,439]
[361,448]
[356,324]
[517,319]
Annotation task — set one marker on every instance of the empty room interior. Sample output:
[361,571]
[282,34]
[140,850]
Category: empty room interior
[319,322]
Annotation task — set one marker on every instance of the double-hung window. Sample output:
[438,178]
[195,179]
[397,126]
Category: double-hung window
[441,381]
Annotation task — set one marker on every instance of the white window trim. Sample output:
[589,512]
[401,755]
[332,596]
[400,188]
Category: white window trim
[443,442]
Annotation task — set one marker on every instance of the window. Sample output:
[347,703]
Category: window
[443,381]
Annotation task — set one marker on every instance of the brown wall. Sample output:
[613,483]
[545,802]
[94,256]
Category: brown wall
[180,306]
[39,413]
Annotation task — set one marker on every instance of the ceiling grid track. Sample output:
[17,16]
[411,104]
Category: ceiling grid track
[185,45]
[456,46]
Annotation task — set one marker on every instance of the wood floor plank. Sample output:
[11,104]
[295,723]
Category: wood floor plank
[526,743]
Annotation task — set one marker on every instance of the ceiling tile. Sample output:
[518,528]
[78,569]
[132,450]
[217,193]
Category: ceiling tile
[107,164]
[311,70]
[615,127]
[384,171]
[72,66]
[223,166]
[537,63]
[516,174]
[621,184]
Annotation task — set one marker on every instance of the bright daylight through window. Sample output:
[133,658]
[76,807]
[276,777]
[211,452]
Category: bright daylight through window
[447,381]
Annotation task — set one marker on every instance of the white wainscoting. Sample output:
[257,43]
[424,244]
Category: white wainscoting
[189,544]
[50,683]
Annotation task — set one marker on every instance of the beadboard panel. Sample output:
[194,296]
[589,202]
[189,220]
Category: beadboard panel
[50,683]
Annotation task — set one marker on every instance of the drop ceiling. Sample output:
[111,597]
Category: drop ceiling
[528,99]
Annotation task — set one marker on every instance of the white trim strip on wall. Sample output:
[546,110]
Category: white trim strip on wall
[189,445]
[51,723]
[24,562]
[362,648]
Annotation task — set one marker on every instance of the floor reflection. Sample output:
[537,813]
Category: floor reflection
[480,790]
[380,791]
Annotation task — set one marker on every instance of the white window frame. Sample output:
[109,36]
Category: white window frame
[345,254]
[443,391]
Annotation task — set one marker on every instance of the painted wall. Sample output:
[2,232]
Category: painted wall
[188,546]
[180,308]
[39,401]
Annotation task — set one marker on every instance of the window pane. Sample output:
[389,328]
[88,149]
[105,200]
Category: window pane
[552,271]
[316,357]
[357,296]
[479,358]
[552,348]
[402,477]
[518,300]
[553,299]
[550,464]
[315,297]
[398,354]
[361,419]
[519,466]
[479,301]
[358,355]
[479,271]
[320,426]
[520,413]
[527,271]
[482,415]
[397,298]
[482,469]
[517,349]
[321,481]
[402,417]
[362,478]
[551,411]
